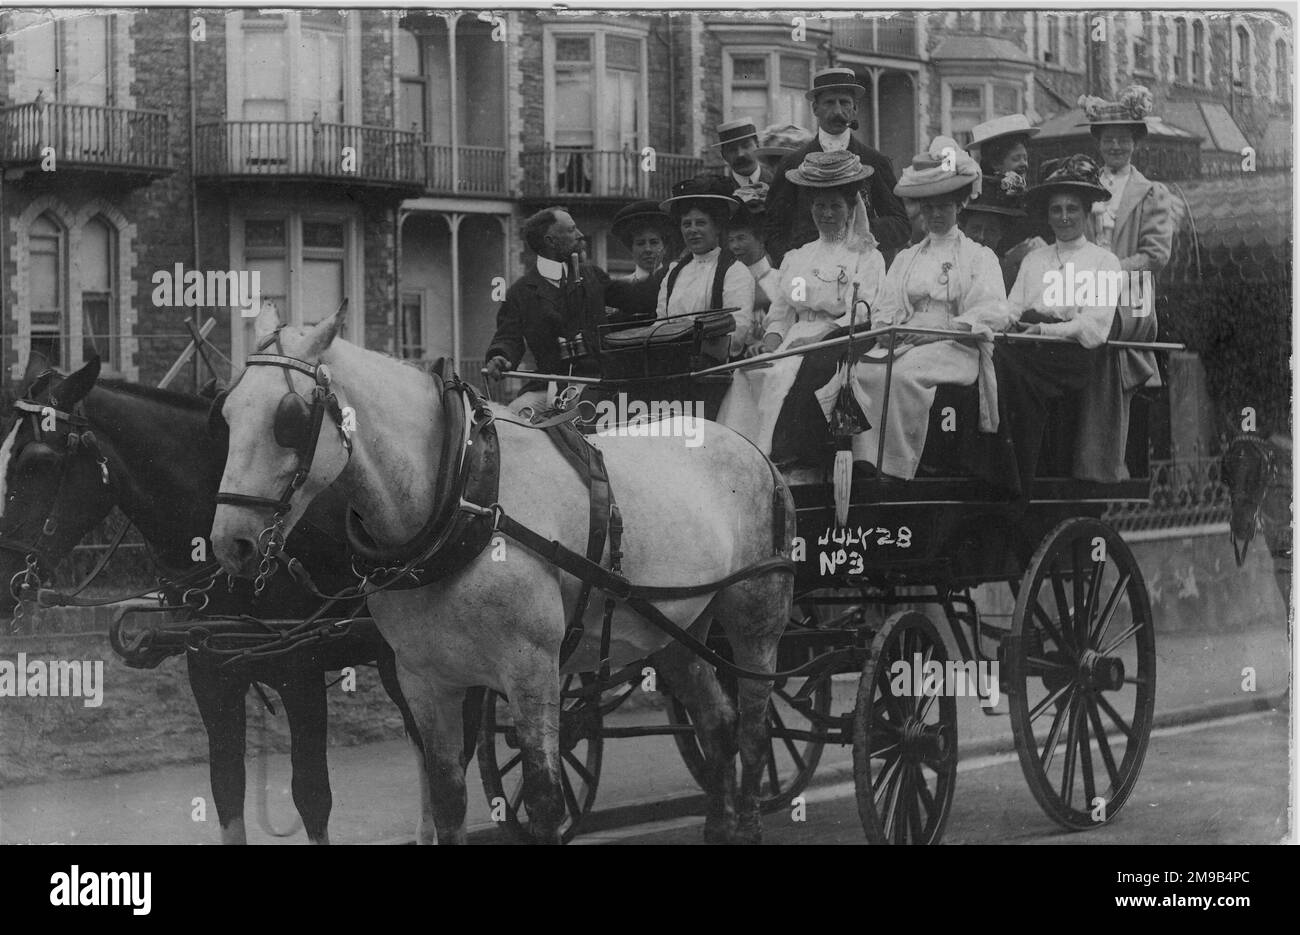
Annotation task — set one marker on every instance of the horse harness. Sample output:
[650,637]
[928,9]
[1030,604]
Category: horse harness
[467,514]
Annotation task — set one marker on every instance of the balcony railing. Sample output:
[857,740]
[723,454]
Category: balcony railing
[309,149]
[596,174]
[465,170]
[83,135]
[877,35]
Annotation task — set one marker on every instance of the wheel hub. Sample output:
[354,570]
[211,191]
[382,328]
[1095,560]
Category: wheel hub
[1101,672]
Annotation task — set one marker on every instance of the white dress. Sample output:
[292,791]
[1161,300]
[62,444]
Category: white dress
[693,292]
[810,296]
[947,282]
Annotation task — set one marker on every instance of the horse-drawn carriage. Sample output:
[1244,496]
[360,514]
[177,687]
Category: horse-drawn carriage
[1076,660]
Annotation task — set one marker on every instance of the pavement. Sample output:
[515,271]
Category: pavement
[1200,676]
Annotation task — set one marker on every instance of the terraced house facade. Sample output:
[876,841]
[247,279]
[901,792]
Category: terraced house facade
[388,159]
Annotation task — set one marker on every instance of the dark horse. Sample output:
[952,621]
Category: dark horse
[1257,473]
[161,465]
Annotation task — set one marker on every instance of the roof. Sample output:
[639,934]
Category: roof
[1066,124]
[1210,121]
[982,48]
[1243,224]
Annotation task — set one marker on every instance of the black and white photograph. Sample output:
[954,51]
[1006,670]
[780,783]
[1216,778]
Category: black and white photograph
[638,424]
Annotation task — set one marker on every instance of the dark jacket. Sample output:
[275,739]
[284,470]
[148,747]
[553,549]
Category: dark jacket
[790,225]
[535,315]
[765,175]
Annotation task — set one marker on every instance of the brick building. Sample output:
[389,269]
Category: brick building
[388,159]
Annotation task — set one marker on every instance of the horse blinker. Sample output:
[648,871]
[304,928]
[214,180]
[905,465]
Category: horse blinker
[292,424]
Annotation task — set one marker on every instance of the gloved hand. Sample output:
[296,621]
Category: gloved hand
[495,367]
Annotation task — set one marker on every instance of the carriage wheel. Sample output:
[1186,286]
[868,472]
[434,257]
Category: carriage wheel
[1081,673]
[904,744]
[500,759]
[791,761]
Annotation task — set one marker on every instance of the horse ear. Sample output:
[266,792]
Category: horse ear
[74,389]
[268,319]
[327,330]
[37,364]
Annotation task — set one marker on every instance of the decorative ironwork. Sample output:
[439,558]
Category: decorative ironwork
[575,173]
[1183,493]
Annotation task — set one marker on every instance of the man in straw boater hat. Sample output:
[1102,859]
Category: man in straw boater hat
[738,146]
[835,95]
[1135,224]
[1046,302]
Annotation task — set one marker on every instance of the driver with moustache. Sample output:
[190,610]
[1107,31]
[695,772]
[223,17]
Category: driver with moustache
[559,298]
[835,94]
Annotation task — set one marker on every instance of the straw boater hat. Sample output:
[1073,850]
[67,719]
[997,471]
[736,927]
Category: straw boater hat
[1000,128]
[928,176]
[1131,110]
[835,79]
[1001,194]
[638,216]
[704,191]
[779,140]
[829,170]
[1078,174]
[733,131]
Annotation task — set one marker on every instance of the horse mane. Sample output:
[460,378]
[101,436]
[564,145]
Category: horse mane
[156,395]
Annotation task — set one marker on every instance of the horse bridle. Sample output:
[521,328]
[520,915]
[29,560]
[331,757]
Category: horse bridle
[1269,475]
[297,426]
[38,551]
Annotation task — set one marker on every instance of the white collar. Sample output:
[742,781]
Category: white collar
[1122,174]
[550,269]
[751,179]
[830,142]
[710,257]
[639,274]
[1072,246]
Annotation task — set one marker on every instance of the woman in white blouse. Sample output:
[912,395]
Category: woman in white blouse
[813,291]
[709,277]
[946,282]
[1045,297]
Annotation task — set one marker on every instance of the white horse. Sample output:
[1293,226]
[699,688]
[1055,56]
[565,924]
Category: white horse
[692,515]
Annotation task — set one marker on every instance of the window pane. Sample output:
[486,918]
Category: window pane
[49,346]
[621,52]
[751,103]
[34,56]
[1006,100]
[791,107]
[573,105]
[794,73]
[43,277]
[968,98]
[322,234]
[411,107]
[411,335]
[749,69]
[265,63]
[322,289]
[96,257]
[321,76]
[97,324]
[262,233]
[573,48]
[88,83]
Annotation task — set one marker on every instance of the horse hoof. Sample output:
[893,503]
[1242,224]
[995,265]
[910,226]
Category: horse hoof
[749,831]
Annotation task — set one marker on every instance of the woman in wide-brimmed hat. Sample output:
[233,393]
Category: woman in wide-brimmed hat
[1002,144]
[1044,298]
[708,276]
[1137,225]
[946,282]
[990,219]
[648,234]
[814,290]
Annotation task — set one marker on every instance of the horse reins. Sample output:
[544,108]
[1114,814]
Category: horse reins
[1270,478]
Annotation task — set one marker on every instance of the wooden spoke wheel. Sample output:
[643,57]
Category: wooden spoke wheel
[791,757]
[1081,673]
[500,759]
[904,743]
